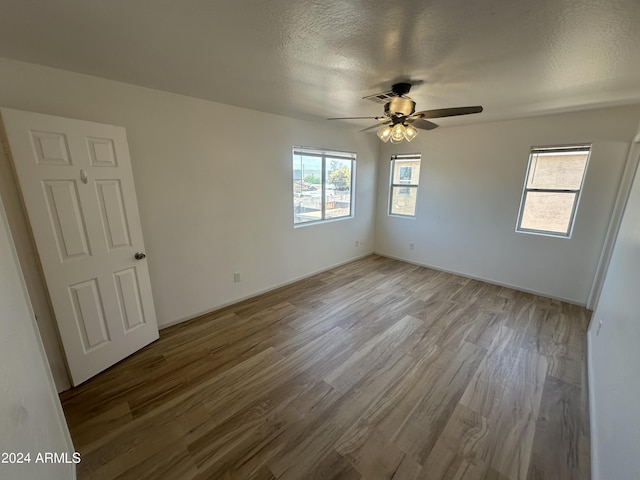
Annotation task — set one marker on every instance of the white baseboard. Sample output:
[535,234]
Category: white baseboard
[482,279]
[260,292]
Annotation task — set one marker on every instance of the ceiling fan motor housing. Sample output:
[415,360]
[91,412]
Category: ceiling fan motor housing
[400,106]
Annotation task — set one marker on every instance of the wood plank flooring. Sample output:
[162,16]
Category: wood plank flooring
[374,370]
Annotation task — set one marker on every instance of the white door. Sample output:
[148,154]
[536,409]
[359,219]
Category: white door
[78,190]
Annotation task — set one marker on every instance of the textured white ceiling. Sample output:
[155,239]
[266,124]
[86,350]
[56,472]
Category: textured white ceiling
[316,59]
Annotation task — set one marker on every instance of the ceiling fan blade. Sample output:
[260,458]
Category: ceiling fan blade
[354,118]
[375,126]
[448,112]
[422,124]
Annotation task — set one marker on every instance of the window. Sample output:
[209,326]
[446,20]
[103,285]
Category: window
[322,185]
[405,176]
[552,189]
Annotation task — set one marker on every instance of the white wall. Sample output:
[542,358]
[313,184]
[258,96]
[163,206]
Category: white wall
[214,186]
[470,189]
[31,419]
[614,356]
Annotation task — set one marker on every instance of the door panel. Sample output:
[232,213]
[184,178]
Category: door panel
[102,152]
[50,148]
[78,190]
[114,219]
[66,218]
[89,314]
[129,298]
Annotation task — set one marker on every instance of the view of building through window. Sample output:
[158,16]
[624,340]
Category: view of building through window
[552,189]
[322,185]
[405,177]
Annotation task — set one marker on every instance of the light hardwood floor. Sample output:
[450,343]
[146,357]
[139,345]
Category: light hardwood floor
[374,370]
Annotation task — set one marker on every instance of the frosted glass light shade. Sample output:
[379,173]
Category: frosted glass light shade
[384,133]
[397,133]
[410,133]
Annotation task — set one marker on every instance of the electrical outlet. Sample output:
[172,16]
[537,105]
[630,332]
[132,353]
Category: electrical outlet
[411,246]
[357,243]
[362,243]
[236,277]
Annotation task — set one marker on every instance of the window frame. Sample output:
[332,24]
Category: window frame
[392,186]
[583,147]
[325,154]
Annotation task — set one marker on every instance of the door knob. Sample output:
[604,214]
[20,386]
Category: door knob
[139,256]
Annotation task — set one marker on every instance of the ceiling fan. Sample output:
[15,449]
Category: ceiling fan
[401,120]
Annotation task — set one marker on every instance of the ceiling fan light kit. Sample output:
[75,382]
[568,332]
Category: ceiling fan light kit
[397,133]
[400,118]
